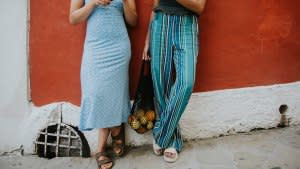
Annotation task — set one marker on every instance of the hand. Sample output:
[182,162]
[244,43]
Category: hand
[146,55]
[101,2]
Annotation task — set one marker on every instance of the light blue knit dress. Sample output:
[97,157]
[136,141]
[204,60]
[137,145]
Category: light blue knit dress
[104,69]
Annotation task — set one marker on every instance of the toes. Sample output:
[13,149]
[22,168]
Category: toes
[169,154]
[106,166]
[117,150]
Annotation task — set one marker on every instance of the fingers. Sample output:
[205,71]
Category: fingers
[146,55]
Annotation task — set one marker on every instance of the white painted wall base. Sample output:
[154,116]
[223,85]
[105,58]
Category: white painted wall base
[208,114]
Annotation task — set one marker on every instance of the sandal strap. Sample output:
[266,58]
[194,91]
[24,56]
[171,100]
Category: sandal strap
[171,150]
[119,136]
[121,145]
[99,154]
[156,148]
[104,161]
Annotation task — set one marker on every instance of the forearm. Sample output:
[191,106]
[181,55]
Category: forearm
[148,31]
[196,6]
[130,13]
[146,55]
[81,14]
[155,3]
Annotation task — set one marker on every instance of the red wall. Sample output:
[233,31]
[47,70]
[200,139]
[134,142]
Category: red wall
[242,43]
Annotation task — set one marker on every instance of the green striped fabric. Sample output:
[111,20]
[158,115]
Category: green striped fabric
[174,51]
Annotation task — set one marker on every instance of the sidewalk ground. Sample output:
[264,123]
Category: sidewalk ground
[264,149]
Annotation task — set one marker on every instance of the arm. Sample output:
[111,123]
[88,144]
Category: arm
[146,47]
[80,12]
[130,12]
[196,6]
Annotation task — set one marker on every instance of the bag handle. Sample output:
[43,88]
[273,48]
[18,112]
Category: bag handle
[145,69]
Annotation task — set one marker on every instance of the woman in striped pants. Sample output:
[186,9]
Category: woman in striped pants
[172,44]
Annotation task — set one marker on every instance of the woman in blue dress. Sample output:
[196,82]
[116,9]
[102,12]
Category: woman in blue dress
[105,103]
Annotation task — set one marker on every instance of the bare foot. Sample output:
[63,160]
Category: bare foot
[118,150]
[170,155]
[118,140]
[157,149]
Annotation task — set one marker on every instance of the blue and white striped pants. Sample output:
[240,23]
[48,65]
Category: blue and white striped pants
[173,46]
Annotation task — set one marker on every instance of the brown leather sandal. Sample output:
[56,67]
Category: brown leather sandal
[115,144]
[103,161]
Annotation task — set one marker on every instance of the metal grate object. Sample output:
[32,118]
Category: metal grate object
[61,140]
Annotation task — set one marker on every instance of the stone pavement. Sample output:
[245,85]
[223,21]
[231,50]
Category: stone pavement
[264,149]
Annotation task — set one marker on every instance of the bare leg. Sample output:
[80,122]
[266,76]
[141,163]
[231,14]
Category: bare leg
[115,130]
[102,141]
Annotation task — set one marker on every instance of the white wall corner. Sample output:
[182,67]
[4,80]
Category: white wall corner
[14,105]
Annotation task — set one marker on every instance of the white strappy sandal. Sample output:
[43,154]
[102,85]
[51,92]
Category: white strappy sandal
[171,159]
[157,150]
